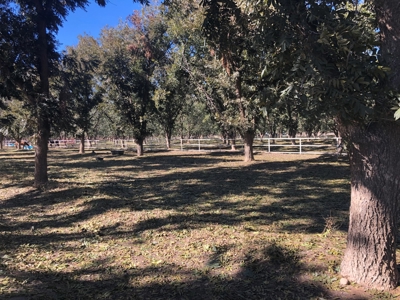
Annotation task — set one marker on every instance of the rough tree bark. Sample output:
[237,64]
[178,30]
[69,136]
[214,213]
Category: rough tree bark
[370,256]
[41,150]
[248,138]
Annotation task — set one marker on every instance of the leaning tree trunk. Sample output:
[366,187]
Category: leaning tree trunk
[370,255]
[248,138]
[82,145]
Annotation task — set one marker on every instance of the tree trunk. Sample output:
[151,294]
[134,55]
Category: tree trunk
[231,133]
[1,141]
[248,138]
[292,130]
[370,256]
[139,147]
[168,139]
[82,145]
[41,150]
[43,133]
[18,142]
[233,144]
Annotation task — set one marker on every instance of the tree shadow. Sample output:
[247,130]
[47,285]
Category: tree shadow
[197,191]
[283,192]
[272,272]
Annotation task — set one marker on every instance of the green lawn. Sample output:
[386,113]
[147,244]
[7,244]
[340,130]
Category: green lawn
[174,225]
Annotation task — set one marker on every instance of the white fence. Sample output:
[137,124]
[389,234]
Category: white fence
[300,145]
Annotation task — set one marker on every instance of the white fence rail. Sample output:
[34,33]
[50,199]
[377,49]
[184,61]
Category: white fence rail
[300,145]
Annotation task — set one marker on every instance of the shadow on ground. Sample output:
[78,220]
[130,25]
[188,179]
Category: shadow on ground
[269,274]
[195,189]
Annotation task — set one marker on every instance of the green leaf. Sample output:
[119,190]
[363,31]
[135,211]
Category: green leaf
[397,114]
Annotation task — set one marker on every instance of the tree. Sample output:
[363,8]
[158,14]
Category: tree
[43,19]
[81,90]
[131,55]
[337,62]
[169,96]
[232,37]
[370,256]
[16,44]
[222,77]
[195,120]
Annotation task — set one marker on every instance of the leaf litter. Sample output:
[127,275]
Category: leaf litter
[175,225]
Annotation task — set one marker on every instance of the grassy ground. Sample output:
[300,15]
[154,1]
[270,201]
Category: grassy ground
[174,225]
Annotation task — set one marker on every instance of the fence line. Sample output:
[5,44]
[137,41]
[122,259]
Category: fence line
[300,145]
[303,144]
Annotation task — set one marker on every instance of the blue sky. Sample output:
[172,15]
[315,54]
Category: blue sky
[93,20]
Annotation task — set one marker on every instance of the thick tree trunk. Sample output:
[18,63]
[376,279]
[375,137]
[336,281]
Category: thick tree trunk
[248,138]
[41,150]
[370,256]
[82,145]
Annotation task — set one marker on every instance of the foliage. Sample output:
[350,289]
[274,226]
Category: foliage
[223,80]
[170,95]
[17,122]
[130,56]
[80,88]
[316,56]
[195,121]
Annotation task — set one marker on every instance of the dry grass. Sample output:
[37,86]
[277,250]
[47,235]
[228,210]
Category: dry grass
[174,225]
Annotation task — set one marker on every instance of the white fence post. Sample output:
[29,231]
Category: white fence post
[181,145]
[199,145]
[300,144]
